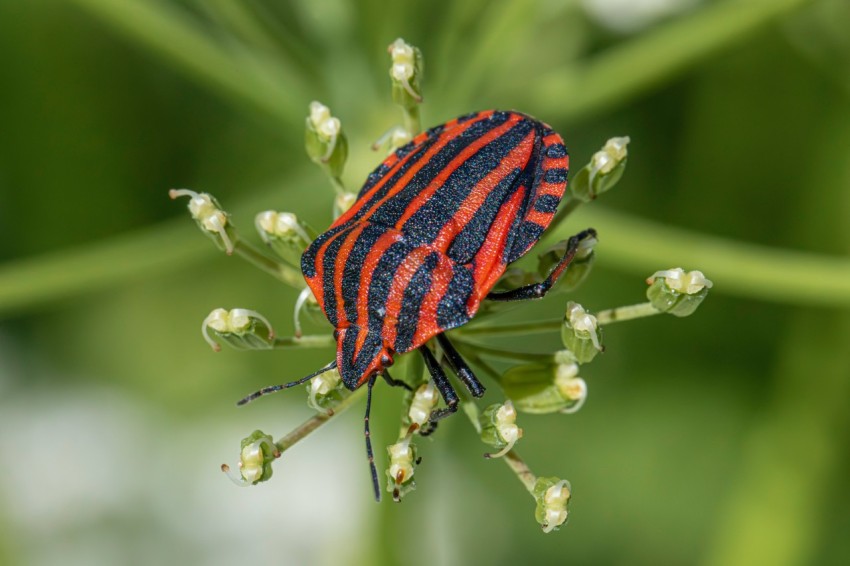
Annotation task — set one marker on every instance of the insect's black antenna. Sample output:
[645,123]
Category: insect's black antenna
[368,436]
[273,388]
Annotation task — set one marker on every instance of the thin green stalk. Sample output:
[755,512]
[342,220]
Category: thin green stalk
[506,354]
[518,328]
[629,312]
[308,341]
[636,66]
[317,420]
[276,269]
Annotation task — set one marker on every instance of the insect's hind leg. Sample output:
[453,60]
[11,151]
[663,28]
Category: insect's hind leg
[460,367]
[441,381]
[538,290]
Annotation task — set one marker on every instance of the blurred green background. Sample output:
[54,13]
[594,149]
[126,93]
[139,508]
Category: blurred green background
[721,438]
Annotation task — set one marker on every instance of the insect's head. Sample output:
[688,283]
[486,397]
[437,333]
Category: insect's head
[360,354]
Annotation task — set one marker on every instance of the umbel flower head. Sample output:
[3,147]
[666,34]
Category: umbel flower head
[393,300]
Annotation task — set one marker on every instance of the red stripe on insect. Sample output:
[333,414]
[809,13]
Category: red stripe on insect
[402,277]
[488,262]
[459,160]
[404,180]
[339,271]
[517,158]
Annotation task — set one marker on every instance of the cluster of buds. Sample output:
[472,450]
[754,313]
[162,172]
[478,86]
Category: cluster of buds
[406,73]
[499,428]
[552,496]
[403,459]
[211,219]
[325,140]
[285,234]
[676,291]
[242,329]
[605,169]
[255,460]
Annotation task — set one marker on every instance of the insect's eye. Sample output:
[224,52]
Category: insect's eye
[386,361]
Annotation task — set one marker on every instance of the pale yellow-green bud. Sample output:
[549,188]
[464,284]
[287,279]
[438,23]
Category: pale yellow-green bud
[325,139]
[676,291]
[242,329]
[209,216]
[552,496]
[258,451]
[499,428]
[424,401]
[580,333]
[605,169]
[325,390]
[284,233]
[400,471]
[406,73]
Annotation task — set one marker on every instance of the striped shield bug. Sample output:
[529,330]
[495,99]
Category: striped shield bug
[432,230]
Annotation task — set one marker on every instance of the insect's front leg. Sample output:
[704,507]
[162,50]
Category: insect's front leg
[441,381]
[538,290]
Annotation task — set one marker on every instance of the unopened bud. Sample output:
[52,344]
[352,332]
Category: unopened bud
[285,234]
[676,291]
[423,402]
[395,137]
[258,451]
[580,333]
[325,139]
[604,170]
[499,428]
[406,73]
[242,329]
[546,388]
[400,472]
[325,390]
[211,219]
[552,496]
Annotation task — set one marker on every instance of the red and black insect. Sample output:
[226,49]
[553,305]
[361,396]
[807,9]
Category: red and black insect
[431,232]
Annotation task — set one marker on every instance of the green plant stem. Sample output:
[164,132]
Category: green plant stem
[511,459]
[412,121]
[317,420]
[518,328]
[505,354]
[629,312]
[636,66]
[307,341]
[276,269]
[641,247]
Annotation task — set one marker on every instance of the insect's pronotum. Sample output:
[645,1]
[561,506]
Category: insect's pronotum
[432,230]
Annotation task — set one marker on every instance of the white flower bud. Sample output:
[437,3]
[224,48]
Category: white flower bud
[207,213]
[424,401]
[689,283]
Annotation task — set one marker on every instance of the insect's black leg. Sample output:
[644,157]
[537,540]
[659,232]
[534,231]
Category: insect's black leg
[538,290]
[393,382]
[368,435]
[460,367]
[428,428]
[441,381]
[273,388]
